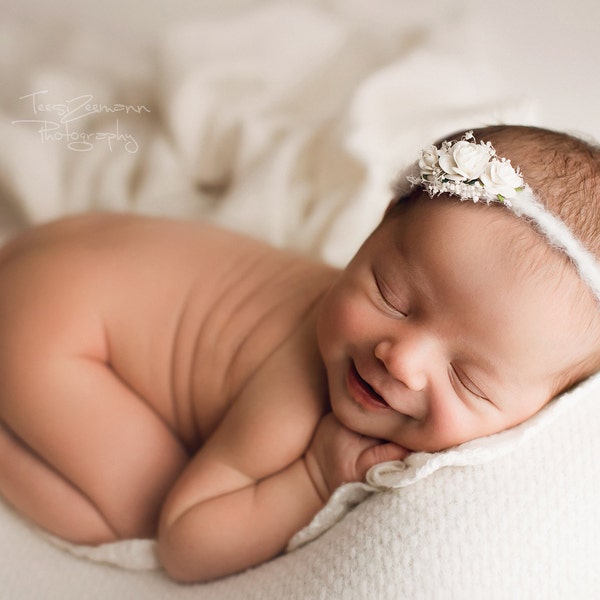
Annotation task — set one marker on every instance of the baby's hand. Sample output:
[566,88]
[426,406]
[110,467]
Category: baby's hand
[337,455]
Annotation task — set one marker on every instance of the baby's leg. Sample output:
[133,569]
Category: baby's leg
[41,494]
[80,452]
[82,455]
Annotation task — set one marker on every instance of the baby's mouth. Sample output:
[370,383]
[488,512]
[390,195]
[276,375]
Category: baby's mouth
[368,393]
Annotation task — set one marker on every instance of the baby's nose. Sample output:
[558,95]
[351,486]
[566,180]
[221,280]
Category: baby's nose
[406,362]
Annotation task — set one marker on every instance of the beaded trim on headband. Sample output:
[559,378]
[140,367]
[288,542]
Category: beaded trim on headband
[472,171]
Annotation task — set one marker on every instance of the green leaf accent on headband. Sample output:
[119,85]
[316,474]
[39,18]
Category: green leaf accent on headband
[501,198]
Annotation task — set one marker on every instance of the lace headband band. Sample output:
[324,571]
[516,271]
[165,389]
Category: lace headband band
[473,171]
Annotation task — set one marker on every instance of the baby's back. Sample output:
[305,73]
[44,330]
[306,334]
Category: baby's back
[183,313]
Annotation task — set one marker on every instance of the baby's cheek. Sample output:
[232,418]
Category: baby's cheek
[350,318]
[449,424]
[338,323]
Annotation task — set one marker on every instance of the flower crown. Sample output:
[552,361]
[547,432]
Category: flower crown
[472,171]
[468,169]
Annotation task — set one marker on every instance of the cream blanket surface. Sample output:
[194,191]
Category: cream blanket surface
[288,122]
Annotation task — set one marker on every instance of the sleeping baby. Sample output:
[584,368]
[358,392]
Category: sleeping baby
[170,379]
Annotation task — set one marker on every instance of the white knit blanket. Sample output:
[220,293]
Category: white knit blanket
[288,122]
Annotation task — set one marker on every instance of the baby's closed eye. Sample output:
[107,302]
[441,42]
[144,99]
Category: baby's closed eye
[460,378]
[388,298]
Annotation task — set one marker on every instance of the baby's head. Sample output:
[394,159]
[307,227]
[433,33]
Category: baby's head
[458,319]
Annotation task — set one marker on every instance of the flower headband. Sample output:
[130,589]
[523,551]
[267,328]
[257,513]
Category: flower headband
[472,171]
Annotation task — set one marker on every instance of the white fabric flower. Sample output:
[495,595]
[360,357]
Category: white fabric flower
[501,179]
[428,163]
[464,161]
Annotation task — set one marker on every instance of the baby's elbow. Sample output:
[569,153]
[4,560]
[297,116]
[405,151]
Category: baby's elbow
[191,549]
[176,565]
[180,574]
[184,561]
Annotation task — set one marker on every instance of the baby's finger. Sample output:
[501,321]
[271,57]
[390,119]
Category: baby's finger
[380,453]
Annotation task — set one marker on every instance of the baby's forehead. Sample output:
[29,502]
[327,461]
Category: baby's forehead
[459,240]
[448,215]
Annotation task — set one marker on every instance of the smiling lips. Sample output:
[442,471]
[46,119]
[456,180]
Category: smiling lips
[362,392]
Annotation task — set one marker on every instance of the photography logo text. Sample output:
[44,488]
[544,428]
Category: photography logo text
[65,122]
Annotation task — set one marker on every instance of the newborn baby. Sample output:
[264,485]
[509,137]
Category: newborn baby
[170,379]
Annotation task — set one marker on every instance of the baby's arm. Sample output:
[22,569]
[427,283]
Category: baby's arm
[259,478]
[222,517]
[248,490]
[221,520]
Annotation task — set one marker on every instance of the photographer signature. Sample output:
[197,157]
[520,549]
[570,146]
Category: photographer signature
[55,121]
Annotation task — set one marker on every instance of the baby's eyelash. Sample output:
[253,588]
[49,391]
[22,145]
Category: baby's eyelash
[467,384]
[382,295]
